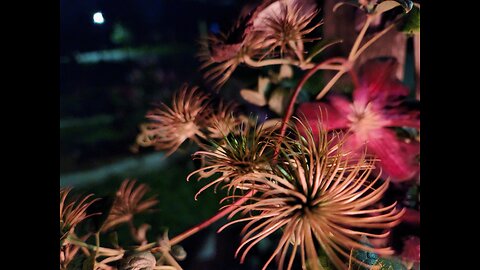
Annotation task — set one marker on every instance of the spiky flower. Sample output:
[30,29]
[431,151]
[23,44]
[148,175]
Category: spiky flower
[224,52]
[284,24]
[262,29]
[73,212]
[171,126]
[247,148]
[128,202]
[222,121]
[317,197]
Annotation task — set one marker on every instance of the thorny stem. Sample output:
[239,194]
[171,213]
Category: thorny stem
[177,239]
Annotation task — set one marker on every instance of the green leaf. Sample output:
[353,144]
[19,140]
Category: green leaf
[321,46]
[411,24]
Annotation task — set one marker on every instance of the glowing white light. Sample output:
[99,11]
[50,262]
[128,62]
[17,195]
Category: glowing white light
[98,18]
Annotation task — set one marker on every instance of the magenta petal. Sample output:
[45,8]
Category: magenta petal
[326,113]
[398,118]
[379,82]
[397,158]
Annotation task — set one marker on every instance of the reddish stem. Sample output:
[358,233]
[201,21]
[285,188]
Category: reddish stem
[177,239]
[296,92]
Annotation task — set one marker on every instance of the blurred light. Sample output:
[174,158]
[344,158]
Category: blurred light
[98,18]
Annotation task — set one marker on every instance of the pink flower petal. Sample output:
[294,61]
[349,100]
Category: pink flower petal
[397,158]
[328,115]
[379,83]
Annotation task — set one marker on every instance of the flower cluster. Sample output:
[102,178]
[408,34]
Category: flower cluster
[191,116]
[316,195]
[271,29]
[318,179]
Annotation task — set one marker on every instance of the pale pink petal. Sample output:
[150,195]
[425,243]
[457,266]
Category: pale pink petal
[398,159]
[379,83]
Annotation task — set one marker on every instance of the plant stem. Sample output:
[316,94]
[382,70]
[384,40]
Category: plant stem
[105,251]
[289,112]
[332,82]
[177,239]
[355,52]
[170,259]
[351,58]
[359,39]
[270,62]
[372,40]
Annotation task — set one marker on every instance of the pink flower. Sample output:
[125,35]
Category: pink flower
[378,105]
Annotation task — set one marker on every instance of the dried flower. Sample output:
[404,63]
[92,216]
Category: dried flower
[284,24]
[256,34]
[226,51]
[72,213]
[377,106]
[128,202]
[315,197]
[222,121]
[170,127]
[246,149]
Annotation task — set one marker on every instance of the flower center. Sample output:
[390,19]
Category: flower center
[187,130]
[363,119]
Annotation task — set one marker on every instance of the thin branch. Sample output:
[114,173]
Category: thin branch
[270,62]
[359,39]
[288,113]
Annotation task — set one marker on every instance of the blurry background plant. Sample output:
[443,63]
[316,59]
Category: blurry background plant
[118,60]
